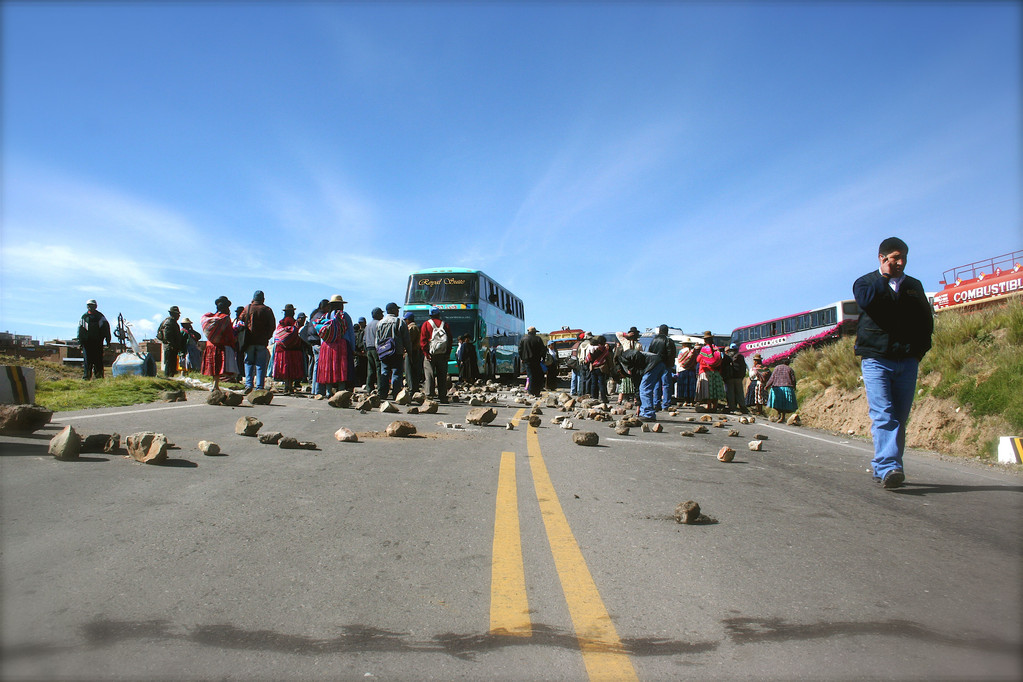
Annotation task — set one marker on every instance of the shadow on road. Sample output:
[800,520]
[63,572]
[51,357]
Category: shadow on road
[922,489]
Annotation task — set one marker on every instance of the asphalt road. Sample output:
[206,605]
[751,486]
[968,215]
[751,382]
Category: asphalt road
[495,554]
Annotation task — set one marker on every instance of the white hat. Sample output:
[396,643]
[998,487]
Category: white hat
[91,301]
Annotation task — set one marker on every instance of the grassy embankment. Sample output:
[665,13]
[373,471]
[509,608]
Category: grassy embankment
[976,362]
[62,388]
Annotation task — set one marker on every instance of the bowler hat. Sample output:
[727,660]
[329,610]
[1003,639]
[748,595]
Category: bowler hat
[336,298]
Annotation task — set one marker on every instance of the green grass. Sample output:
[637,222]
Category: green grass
[76,394]
[978,361]
[833,364]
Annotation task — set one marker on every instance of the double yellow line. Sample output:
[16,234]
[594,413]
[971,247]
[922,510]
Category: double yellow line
[603,654]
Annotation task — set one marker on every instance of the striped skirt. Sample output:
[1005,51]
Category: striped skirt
[710,386]
[218,361]
[685,385]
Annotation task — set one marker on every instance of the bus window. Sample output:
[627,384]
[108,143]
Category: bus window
[849,308]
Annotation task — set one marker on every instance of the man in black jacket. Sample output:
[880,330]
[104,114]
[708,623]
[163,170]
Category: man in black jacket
[892,335]
[664,347]
[532,353]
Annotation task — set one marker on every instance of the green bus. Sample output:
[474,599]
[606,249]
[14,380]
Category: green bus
[474,304]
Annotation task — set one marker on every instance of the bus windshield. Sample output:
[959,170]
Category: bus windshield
[443,288]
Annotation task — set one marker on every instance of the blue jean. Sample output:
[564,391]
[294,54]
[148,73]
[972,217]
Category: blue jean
[669,387]
[576,385]
[661,383]
[314,363]
[598,385]
[256,359]
[890,386]
[391,373]
[647,387]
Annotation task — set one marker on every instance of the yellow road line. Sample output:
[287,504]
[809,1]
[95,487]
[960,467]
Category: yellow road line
[518,415]
[602,650]
[509,606]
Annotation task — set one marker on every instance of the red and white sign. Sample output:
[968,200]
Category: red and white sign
[985,288]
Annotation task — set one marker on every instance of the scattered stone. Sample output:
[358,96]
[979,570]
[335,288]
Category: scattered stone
[726,454]
[232,399]
[622,430]
[657,428]
[413,410]
[759,436]
[570,403]
[646,428]
[534,420]
[403,397]
[260,396]
[400,429]
[289,443]
[536,410]
[587,438]
[429,407]
[631,421]
[21,419]
[520,401]
[270,437]
[794,420]
[719,425]
[746,419]
[673,413]
[346,435]
[558,419]
[481,416]
[689,513]
[209,448]
[147,447]
[364,405]
[701,429]
[387,407]
[475,402]
[67,444]
[756,445]
[706,418]
[567,425]
[733,433]
[318,396]
[449,425]
[341,399]
[174,396]
[418,397]
[509,426]
[690,419]
[686,434]
[247,426]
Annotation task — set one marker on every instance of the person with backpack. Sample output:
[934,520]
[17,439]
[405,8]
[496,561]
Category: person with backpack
[392,340]
[685,367]
[435,341]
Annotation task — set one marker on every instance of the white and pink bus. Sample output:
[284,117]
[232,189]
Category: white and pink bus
[785,336]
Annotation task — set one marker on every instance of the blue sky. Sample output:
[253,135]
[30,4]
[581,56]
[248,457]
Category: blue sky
[705,165]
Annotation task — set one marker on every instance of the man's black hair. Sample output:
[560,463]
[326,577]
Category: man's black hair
[892,244]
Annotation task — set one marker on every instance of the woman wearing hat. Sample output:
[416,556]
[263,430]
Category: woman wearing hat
[685,367]
[626,342]
[288,358]
[191,354]
[336,340]
[758,376]
[219,360]
[710,387]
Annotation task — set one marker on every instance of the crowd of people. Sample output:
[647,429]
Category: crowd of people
[706,376]
[326,351]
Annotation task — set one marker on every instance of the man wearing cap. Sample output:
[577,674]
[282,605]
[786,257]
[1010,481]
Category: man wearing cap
[435,341]
[393,332]
[93,332]
[370,337]
[169,334]
[413,354]
[532,352]
[260,323]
